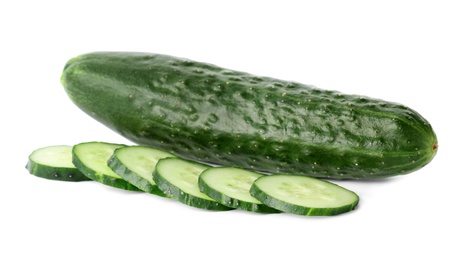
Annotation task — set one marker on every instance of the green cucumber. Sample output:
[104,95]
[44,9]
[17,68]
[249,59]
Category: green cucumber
[54,163]
[230,186]
[136,165]
[178,179]
[91,159]
[303,195]
[214,115]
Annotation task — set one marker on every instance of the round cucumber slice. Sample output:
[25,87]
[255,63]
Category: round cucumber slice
[303,195]
[136,165]
[54,163]
[230,186]
[178,179]
[91,159]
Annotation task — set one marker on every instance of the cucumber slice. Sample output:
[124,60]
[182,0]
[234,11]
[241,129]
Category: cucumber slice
[178,179]
[91,159]
[54,163]
[230,186]
[303,195]
[136,165]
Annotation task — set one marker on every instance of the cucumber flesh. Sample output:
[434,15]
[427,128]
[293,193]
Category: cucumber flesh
[178,179]
[136,165]
[303,195]
[230,186]
[54,163]
[91,159]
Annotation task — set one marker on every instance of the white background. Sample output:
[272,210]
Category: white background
[402,51]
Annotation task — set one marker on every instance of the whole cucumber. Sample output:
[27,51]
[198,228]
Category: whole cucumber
[210,114]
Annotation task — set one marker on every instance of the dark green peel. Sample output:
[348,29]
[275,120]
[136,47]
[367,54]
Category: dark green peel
[206,113]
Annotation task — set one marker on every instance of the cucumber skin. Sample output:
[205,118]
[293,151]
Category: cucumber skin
[304,211]
[55,173]
[206,113]
[234,203]
[119,168]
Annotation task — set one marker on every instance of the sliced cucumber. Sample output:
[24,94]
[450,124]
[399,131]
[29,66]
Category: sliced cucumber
[91,159]
[54,163]
[303,195]
[136,165]
[178,179]
[230,186]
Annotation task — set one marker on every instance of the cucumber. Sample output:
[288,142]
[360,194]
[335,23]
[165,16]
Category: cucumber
[205,113]
[303,195]
[91,159]
[178,179]
[230,186]
[136,165]
[54,163]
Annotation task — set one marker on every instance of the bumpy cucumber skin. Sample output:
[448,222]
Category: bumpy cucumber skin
[119,168]
[55,173]
[257,193]
[206,113]
[177,194]
[98,177]
[232,202]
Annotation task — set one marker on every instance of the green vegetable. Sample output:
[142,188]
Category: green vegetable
[178,179]
[91,159]
[136,164]
[54,163]
[206,113]
[303,195]
[230,186]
